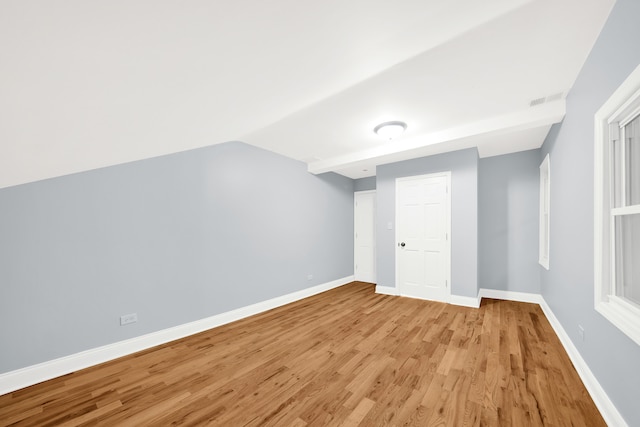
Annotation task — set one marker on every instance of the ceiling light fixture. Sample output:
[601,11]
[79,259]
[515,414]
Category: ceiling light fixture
[390,130]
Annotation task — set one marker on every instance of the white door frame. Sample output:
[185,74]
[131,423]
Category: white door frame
[447,175]
[355,259]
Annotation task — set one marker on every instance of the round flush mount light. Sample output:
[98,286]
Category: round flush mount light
[390,130]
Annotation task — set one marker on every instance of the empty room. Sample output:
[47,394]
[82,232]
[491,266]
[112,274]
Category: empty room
[335,213]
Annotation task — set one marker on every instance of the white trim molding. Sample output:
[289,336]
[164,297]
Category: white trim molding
[510,296]
[606,407]
[473,302]
[608,410]
[21,378]
[387,290]
[544,214]
[609,122]
[18,379]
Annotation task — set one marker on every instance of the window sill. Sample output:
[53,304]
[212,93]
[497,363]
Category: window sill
[623,315]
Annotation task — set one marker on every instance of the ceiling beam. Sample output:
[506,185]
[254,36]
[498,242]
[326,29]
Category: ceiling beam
[456,138]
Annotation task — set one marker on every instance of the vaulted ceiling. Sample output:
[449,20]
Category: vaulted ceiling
[91,84]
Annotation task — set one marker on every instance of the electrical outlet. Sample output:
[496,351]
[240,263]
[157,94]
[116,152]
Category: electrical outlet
[128,318]
[310,277]
[581,332]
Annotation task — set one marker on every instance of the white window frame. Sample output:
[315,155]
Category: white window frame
[622,106]
[545,213]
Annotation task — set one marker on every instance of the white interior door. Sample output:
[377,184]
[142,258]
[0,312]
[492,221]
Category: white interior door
[422,230]
[364,237]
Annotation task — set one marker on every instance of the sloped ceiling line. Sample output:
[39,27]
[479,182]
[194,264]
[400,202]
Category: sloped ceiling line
[85,85]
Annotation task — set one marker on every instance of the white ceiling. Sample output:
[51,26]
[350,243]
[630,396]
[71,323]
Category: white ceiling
[91,84]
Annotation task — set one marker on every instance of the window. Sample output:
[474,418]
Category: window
[545,189]
[617,208]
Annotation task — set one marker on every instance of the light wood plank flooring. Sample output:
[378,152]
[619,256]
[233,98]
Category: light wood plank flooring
[345,357]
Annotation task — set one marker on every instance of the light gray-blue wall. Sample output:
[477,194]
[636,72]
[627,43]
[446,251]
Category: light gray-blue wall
[365,184]
[568,287]
[508,198]
[174,239]
[463,165]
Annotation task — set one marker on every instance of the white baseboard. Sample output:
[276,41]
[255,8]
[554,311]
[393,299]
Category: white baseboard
[473,302]
[608,410]
[455,299]
[510,296]
[387,290]
[20,378]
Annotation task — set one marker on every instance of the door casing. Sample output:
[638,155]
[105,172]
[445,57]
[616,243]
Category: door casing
[447,266]
[359,274]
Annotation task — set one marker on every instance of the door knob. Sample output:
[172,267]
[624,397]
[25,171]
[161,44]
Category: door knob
[402,244]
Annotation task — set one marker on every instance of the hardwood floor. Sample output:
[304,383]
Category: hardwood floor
[345,357]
